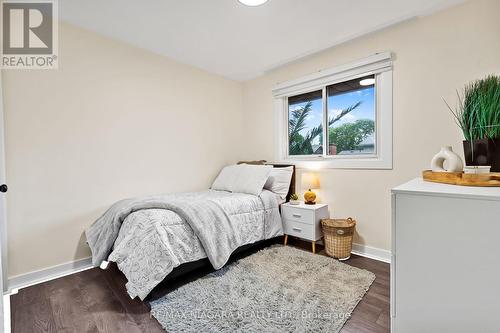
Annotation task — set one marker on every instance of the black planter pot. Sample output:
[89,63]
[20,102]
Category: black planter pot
[483,152]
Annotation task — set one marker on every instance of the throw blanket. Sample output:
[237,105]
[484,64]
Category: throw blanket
[207,219]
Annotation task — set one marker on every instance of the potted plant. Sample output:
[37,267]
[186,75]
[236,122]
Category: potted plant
[294,199]
[478,115]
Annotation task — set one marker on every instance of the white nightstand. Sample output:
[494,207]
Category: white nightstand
[303,221]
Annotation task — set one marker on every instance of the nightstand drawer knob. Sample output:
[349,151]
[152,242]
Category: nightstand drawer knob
[297,229]
[297,215]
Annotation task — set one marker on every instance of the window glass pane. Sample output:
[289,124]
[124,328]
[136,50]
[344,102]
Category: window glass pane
[305,124]
[351,117]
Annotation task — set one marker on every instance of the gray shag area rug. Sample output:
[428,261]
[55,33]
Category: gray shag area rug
[278,289]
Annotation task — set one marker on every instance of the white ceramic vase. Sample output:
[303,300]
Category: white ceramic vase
[453,162]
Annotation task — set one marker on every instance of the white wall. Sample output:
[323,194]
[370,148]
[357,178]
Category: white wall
[434,56]
[112,122]
[115,121]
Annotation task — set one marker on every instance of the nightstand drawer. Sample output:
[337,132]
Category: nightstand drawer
[299,215]
[298,229]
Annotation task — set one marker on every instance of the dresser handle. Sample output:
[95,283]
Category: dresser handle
[297,229]
[297,215]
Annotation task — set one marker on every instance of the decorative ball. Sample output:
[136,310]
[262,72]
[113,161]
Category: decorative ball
[310,197]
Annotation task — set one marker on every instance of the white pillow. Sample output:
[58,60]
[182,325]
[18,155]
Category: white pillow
[242,178]
[251,178]
[279,181]
[226,178]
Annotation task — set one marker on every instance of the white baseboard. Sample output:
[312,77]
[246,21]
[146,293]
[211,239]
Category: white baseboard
[50,273]
[54,272]
[371,252]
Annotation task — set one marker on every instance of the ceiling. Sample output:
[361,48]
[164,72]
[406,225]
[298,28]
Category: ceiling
[236,41]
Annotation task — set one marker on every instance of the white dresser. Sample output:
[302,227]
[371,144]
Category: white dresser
[445,271]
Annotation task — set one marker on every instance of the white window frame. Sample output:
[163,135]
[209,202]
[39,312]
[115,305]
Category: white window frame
[379,65]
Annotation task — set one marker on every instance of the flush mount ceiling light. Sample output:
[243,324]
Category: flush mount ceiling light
[367,82]
[253,3]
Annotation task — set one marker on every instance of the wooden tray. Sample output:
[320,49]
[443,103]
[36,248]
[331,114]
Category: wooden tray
[491,179]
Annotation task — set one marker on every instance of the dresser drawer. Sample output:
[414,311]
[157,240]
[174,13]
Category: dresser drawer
[299,215]
[298,229]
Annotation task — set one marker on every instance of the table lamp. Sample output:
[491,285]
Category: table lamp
[310,181]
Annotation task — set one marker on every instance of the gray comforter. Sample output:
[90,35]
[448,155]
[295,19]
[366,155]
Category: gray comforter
[148,237]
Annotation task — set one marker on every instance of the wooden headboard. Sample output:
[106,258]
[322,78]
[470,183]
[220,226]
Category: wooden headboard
[291,190]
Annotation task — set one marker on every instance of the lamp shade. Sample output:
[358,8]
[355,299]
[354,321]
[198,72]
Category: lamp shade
[310,181]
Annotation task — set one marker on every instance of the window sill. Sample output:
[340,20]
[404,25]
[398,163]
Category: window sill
[374,163]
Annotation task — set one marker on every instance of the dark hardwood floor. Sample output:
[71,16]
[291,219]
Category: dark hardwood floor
[96,301]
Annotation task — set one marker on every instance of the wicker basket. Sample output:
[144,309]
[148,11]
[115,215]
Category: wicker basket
[338,235]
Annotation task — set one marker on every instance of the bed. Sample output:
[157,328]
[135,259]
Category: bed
[155,238]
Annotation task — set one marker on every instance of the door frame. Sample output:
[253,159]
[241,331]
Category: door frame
[3,200]
[4,285]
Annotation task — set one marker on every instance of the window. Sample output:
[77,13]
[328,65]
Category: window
[339,118]
[305,124]
[351,117]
